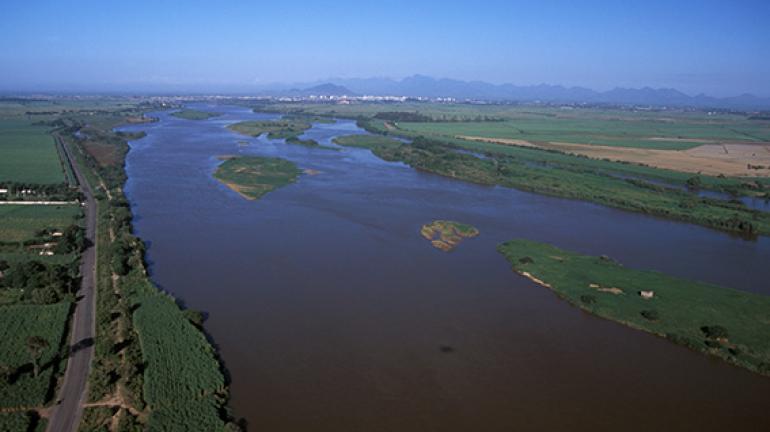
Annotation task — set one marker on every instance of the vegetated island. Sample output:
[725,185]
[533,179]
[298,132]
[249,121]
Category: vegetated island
[286,129]
[189,114]
[447,235]
[723,322]
[370,142]
[254,176]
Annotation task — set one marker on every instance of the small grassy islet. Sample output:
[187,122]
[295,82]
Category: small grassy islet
[447,235]
[190,114]
[254,176]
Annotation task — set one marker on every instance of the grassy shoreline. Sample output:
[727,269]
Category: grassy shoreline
[717,321]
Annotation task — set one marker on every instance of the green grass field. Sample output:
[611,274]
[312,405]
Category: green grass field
[189,114]
[17,324]
[28,153]
[253,176]
[21,222]
[569,131]
[719,321]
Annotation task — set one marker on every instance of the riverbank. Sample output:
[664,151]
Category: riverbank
[154,368]
[722,322]
[585,184]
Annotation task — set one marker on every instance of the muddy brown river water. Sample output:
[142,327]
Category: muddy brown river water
[331,312]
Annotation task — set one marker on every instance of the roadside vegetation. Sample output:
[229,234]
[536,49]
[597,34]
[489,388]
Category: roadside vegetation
[153,369]
[718,321]
[190,114]
[22,421]
[254,176]
[40,248]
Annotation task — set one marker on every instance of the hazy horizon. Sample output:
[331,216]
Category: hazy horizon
[695,47]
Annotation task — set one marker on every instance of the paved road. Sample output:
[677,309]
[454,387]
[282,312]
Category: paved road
[65,415]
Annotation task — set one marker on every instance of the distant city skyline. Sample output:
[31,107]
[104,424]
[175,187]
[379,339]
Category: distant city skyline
[711,47]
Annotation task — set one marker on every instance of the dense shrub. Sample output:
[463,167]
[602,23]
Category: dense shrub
[714,332]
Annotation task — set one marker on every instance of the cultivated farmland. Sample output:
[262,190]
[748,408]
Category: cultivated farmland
[28,154]
[21,222]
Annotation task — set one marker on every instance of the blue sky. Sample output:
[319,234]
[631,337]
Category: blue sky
[717,47]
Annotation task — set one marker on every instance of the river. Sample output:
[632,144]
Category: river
[330,311]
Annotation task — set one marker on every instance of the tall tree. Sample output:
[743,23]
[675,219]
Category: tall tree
[35,346]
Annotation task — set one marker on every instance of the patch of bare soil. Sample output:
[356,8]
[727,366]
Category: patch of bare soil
[730,159]
[611,290]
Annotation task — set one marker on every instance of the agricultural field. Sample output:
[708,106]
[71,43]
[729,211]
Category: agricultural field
[718,321]
[22,222]
[650,134]
[21,357]
[183,385]
[253,176]
[693,142]
[189,114]
[28,153]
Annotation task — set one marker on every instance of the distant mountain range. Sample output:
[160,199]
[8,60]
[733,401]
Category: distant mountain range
[424,86]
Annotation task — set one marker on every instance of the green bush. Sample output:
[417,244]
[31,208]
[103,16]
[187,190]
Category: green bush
[18,324]
[714,332]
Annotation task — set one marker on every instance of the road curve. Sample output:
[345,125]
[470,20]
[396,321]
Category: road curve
[66,413]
